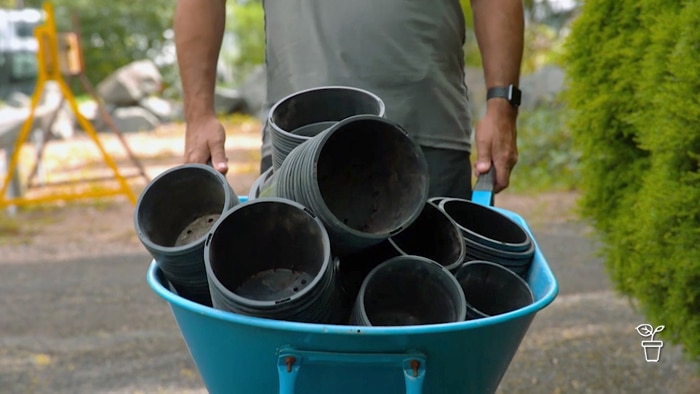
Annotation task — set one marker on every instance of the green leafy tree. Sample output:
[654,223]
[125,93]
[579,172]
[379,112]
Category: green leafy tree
[114,33]
[245,26]
[632,81]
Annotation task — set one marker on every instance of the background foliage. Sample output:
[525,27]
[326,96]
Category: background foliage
[114,33]
[632,68]
[547,156]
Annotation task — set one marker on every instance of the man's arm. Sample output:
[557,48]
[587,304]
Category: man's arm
[499,30]
[199,28]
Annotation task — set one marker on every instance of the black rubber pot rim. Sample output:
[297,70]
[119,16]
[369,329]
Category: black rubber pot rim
[517,277]
[247,302]
[323,208]
[526,245]
[287,133]
[177,250]
[500,253]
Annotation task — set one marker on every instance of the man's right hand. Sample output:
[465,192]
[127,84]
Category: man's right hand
[199,30]
[205,140]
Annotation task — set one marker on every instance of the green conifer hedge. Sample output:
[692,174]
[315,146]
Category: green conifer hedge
[634,90]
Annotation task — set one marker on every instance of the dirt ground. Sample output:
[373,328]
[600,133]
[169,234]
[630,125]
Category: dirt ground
[57,231]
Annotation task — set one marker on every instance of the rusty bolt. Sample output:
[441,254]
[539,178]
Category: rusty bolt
[290,362]
[415,364]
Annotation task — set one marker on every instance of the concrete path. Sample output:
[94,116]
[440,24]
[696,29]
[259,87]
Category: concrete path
[94,326]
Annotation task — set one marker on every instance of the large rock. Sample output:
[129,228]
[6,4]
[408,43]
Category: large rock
[163,109]
[18,100]
[131,83]
[91,111]
[61,121]
[133,119]
[228,101]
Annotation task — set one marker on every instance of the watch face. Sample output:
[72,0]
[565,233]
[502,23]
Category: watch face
[515,95]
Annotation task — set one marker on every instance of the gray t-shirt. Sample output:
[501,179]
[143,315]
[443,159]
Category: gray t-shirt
[408,52]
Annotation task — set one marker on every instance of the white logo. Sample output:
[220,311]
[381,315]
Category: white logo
[652,348]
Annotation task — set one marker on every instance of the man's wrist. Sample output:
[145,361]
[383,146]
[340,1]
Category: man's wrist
[199,112]
[502,107]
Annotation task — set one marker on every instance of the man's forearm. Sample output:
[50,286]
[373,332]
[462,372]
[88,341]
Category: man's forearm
[499,29]
[199,28]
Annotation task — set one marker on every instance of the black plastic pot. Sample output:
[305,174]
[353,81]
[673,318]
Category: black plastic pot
[172,217]
[433,235]
[364,178]
[406,291]
[490,235]
[490,289]
[487,226]
[304,114]
[271,258]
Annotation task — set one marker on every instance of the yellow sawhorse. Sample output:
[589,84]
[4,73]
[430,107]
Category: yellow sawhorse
[49,70]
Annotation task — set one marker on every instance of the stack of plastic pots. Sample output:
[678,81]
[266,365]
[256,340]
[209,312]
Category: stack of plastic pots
[271,258]
[490,235]
[304,114]
[173,215]
[364,178]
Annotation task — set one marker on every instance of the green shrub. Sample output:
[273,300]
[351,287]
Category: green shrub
[636,119]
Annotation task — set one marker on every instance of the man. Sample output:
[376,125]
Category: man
[408,52]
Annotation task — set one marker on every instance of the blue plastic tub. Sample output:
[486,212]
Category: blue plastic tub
[242,354]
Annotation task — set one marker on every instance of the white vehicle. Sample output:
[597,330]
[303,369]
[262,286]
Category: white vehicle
[18,48]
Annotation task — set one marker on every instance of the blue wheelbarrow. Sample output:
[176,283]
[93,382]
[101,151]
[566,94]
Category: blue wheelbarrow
[242,354]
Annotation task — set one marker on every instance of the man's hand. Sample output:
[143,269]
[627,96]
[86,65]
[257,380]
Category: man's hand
[496,142]
[199,29]
[204,141]
[499,28]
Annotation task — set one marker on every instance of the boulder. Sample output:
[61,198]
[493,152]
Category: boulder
[161,108]
[63,126]
[131,83]
[227,101]
[91,112]
[60,120]
[18,100]
[134,119]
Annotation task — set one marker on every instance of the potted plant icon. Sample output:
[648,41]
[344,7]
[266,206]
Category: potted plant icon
[652,348]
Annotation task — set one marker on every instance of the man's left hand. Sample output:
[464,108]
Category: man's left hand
[496,142]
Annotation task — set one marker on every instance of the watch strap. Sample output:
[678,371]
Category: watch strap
[510,93]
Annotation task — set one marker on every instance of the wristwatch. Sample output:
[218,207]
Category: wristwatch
[510,93]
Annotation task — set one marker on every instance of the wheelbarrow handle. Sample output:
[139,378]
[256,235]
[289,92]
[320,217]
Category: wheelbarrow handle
[290,362]
[483,189]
